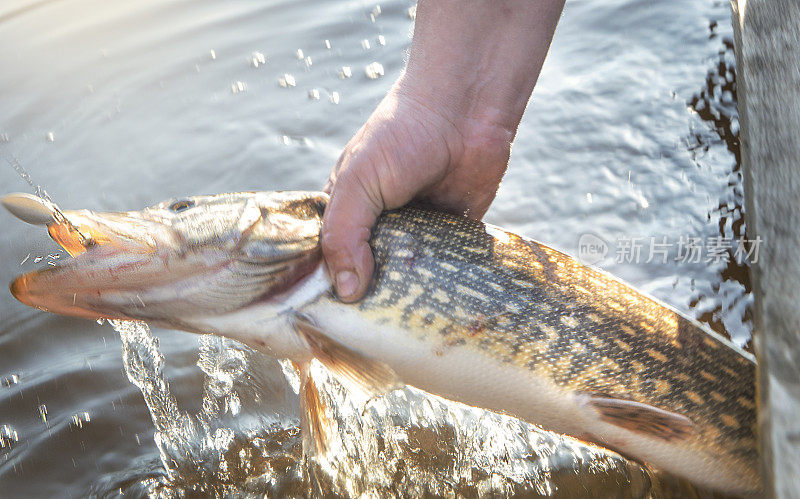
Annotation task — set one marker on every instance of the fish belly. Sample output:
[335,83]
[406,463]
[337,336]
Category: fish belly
[470,376]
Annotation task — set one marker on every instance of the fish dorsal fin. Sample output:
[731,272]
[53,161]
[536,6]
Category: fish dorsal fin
[375,378]
[642,418]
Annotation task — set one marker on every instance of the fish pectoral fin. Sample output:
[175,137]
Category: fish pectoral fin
[375,378]
[642,418]
[316,424]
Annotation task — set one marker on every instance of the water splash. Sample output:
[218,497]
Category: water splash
[213,451]
[144,365]
[407,443]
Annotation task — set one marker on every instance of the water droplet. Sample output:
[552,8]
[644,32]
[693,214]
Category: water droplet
[287,80]
[300,54]
[8,437]
[381,40]
[328,44]
[238,86]
[11,379]
[345,72]
[374,13]
[38,259]
[50,137]
[257,59]
[100,322]
[43,413]
[412,12]
[365,44]
[313,94]
[4,137]
[374,70]
[78,420]
[308,61]
[334,97]
[212,54]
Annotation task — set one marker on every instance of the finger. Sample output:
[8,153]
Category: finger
[348,221]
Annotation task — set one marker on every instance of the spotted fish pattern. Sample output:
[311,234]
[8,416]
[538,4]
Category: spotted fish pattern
[454,281]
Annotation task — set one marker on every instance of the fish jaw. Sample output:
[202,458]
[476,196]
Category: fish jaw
[66,289]
[112,251]
[212,256]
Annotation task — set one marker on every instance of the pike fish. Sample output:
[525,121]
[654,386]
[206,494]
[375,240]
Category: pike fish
[458,308]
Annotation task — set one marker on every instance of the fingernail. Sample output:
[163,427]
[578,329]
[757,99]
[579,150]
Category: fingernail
[346,283]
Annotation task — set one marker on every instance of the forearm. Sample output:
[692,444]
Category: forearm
[478,60]
[443,134]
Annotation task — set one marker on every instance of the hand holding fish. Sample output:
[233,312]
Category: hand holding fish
[443,133]
[404,152]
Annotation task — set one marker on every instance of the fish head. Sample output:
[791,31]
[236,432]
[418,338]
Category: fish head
[178,261]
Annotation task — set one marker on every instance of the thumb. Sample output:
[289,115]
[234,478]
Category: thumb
[346,229]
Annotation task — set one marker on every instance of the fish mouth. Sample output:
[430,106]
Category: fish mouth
[32,290]
[111,252]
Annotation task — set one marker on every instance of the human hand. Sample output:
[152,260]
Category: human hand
[405,151]
[443,133]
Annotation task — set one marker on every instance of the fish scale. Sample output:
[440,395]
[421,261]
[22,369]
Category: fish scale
[456,281]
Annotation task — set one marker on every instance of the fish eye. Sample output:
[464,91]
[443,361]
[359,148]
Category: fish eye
[182,205]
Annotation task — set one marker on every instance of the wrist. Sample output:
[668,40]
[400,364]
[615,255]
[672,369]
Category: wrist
[476,61]
[468,123]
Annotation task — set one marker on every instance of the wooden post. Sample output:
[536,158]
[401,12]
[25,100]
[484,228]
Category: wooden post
[767,38]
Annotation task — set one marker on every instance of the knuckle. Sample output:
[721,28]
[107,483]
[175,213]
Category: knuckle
[332,242]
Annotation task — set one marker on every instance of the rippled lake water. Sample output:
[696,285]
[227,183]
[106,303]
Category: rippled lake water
[631,137]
